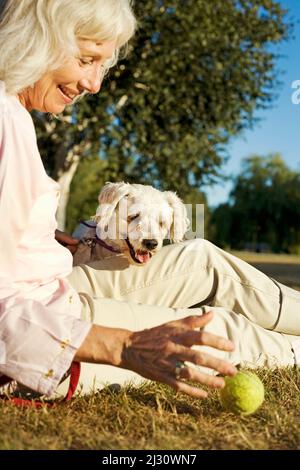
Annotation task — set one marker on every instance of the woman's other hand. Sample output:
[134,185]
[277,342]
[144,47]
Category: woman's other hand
[67,241]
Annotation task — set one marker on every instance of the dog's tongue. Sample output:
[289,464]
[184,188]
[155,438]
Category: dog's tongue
[142,256]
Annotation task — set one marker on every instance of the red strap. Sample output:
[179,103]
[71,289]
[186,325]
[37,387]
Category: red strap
[74,379]
[29,403]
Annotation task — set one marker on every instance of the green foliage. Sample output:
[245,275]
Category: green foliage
[195,73]
[85,190]
[264,207]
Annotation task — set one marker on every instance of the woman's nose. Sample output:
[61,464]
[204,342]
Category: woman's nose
[92,81]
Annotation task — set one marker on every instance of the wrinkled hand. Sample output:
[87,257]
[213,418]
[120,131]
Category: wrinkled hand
[67,241]
[154,353]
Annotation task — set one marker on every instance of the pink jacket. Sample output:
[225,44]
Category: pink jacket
[40,325]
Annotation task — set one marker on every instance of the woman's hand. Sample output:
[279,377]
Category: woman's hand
[67,241]
[155,353]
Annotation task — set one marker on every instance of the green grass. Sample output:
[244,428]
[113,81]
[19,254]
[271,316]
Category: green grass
[155,417]
[283,268]
[252,257]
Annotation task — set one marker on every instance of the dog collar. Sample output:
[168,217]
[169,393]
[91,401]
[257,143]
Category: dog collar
[99,241]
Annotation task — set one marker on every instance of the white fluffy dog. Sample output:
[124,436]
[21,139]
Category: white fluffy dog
[132,220]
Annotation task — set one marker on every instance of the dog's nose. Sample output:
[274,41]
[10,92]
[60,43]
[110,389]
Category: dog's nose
[150,244]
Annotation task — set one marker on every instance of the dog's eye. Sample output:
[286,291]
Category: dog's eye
[130,218]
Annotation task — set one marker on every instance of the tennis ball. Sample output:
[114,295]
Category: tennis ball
[243,394]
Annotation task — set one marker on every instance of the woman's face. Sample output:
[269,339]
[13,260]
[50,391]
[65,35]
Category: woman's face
[57,89]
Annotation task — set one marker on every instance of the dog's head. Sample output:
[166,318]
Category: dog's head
[137,218]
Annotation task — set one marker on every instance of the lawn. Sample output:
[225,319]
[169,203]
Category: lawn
[283,268]
[155,417]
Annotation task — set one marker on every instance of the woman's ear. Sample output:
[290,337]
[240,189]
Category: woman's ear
[180,223]
[109,197]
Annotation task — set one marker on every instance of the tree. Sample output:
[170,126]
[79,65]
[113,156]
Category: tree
[196,72]
[264,207]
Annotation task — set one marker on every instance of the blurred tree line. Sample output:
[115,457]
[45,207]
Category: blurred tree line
[195,73]
[263,209]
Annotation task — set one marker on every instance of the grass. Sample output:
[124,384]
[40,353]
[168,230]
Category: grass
[155,417]
[283,268]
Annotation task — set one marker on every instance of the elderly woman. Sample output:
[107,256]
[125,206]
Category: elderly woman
[120,324]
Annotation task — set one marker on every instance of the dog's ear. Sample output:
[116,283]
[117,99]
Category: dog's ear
[180,223]
[109,197]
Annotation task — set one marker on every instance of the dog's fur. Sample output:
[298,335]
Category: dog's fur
[133,220]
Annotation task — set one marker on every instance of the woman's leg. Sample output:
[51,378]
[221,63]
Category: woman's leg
[195,273]
[179,277]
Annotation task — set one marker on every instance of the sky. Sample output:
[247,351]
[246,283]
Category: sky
[279,128]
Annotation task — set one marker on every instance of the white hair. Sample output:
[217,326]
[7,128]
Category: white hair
[37,36]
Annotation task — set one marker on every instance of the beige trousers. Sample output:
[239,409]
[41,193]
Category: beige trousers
[249,308]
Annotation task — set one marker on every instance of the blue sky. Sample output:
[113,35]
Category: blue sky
[279,128]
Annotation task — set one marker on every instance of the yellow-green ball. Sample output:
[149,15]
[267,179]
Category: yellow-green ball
[243,394]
